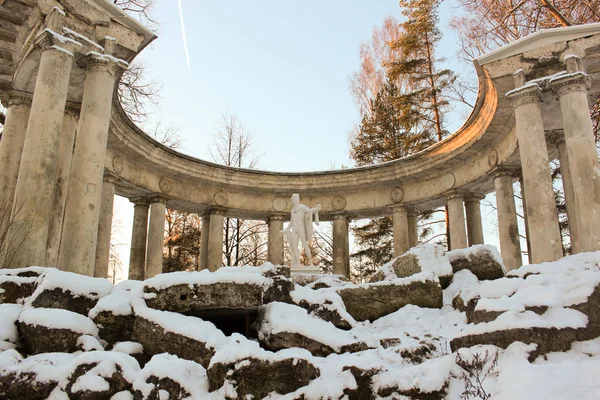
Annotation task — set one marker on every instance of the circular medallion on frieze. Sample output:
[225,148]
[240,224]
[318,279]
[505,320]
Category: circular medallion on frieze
[165,185]
[338,203]
[397,194]
[493,158]
[279,204]
[448,181]
[118,165]
[220,198]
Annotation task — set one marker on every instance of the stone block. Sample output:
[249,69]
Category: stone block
[375,300]
[483,261]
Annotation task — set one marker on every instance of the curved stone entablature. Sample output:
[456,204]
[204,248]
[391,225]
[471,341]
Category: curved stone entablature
[56,49]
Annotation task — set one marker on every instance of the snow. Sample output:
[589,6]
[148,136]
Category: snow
[191,327]
[89,343]
[62,49]
[553,318]
[528,85]
[55,318]
[328,298]
[282,317]
[9,315]
[107,57]
[118,302]
[95,379]
[61,38]
[81,37]
[19,271]
[239,275]
[462,281]
[128,348]
[431,258]
[76,284]
[190,375]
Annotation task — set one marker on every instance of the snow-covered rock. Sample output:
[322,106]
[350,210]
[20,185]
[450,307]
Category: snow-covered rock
[69,291]
[429,258]
[483,260]
[370,301]
[49,330]
[324,304]
[16,289]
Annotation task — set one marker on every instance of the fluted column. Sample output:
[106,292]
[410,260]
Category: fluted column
[156,236]
[139,236]
[341,258]
[275,244]
[65,155]
[584,171]
[546,242]
[413,232]
[508,228]
[105,226]
[474,224]
[34,193]
[401,231]
[214,256]
[204,241]
[18,107]
[558,138]
[80,227]
[456,216]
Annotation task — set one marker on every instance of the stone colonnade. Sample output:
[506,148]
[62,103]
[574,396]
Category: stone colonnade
[60,197]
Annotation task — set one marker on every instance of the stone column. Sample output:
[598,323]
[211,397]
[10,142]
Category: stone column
[105,226]
[156,236]
[584,171]
[456,216]
[275,244]
[18,107]
[525,221]
[80,228]
[558,138]
[508,228]
[413,232]
[474,224]
[204,241]
[139,235]
[214,254]
[341,260]
[546,242]
[34,193]
[65,155]
[401,231]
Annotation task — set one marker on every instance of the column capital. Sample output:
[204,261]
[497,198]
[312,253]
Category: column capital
[338,216]
[110,177]
[557,136]
[49,39]
[504,170]
[140,201]
[158,198]
[528,93]
[577,81]
[216,211]
[17,98]
[399,207]
[276,217]
[473,197]
[454,194]
[103,62]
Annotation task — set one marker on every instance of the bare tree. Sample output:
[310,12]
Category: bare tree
[115,264]
[244,240]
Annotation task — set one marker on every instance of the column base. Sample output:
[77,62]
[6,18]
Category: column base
[306,270]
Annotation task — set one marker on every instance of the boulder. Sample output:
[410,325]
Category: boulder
[69,291]
[133,349]
[284,326]
[31,378]
[424,258]
[483,260]
[166,376]
[100,375]
[49,330]
[259,377]
[364,383]
[113,313]
[16,289]
[324,304]
[186,337]
[375,300]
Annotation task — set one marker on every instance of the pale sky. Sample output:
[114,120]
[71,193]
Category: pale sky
[282,66]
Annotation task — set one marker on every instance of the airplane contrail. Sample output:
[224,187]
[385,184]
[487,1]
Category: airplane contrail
[187,56]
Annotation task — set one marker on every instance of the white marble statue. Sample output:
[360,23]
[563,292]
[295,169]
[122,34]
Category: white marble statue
[301,228]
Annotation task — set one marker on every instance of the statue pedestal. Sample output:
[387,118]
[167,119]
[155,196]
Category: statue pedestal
[306,270]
